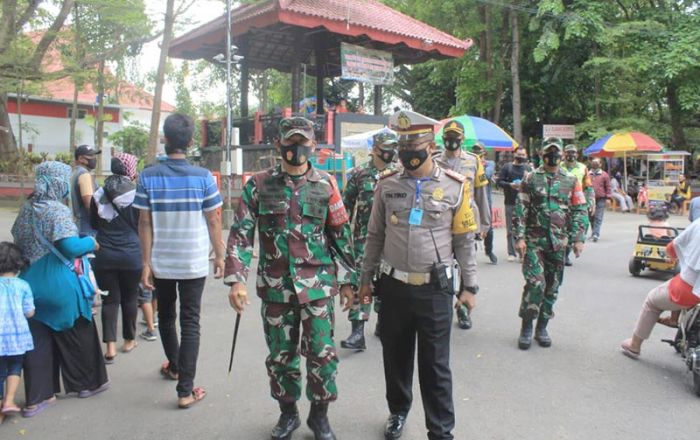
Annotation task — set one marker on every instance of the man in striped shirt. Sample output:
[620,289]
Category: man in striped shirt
[178,220]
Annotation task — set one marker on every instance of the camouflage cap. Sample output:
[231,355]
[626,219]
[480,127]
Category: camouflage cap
[411,126]
[298,125]
[454,126]
[552,141]
[571,147]
[385,138]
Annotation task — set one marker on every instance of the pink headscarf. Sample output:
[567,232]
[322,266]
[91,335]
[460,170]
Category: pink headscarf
[129,161]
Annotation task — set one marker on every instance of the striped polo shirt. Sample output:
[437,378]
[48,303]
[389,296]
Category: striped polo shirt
[178,194]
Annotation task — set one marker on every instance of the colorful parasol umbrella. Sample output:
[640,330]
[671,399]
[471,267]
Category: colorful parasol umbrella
[622,144]
[480,130]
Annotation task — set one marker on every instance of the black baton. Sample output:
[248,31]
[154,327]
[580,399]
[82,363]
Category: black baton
[233,344]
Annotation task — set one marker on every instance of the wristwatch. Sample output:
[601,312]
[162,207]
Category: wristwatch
[472,289]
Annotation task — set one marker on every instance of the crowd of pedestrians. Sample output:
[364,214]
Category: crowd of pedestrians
[415,224]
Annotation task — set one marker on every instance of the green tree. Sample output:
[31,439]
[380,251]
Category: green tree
[132,139]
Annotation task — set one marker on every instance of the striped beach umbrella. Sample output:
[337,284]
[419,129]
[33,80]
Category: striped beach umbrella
[479,130]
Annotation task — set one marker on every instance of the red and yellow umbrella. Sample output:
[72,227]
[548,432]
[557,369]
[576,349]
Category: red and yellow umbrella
[622,144]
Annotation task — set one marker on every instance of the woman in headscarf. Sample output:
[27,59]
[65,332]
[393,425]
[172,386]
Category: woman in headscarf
[65,337]
[680,292]
[118,262]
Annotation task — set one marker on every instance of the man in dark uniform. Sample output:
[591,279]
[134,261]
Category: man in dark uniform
[420,234]
[357,197]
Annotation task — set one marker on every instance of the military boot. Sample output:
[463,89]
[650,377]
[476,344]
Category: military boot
[287,423]
[318,422]
[541,335]
[356,340]
[525,339]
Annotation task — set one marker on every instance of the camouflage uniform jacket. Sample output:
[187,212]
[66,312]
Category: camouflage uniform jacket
[305,244]
[550,210]
[470,166]
[359,193]
[580,171]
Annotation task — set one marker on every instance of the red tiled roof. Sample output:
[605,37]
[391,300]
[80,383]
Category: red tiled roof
[344,17]
[130,96]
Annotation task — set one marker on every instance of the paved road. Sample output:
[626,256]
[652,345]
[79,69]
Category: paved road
[581,388]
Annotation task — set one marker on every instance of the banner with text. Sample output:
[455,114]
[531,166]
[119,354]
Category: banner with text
[366,65]
[558,131]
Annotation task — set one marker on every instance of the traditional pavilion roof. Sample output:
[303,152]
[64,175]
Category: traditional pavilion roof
[273,29]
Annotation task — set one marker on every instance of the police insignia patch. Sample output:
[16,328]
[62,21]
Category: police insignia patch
[455,175]
[438,194]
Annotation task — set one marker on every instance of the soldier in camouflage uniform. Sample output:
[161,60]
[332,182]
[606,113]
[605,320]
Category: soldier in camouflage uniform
[305,255]
[550,212]
[580,171]
[469,165]
[359,192]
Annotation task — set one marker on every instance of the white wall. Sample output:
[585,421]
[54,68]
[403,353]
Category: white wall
[54,135]
[133,116]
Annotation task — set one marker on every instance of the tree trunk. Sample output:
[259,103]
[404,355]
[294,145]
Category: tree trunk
[160,79]
[99,138]
[675,113]
[8,143]
[361,99]
[264,92]
[76,83]
[20,92]
[515,76]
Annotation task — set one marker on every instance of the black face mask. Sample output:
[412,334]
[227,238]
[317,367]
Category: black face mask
[387,156]
[413,159]
[552,158]
[295,154]
[519,160]
[452,144]
[91,164]
[571,158]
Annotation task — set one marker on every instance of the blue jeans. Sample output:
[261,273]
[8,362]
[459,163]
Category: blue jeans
[598,218]
[9,366]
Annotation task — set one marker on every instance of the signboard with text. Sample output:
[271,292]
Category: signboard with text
[558,131]
[366,65]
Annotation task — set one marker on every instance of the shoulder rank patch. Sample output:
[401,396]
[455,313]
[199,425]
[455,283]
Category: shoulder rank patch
[455,175]
[387,173]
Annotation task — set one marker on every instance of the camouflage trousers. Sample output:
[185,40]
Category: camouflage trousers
[543,270]
[361,312]
[282,323]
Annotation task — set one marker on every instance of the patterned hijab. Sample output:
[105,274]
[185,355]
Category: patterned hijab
[124,164]
[46,208]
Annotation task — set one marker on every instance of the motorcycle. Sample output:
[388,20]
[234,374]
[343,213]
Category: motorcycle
[687,342]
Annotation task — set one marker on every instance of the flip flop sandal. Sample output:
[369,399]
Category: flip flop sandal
[40,407]
[167,373]
[125,350]
[628,352]
[10,410]
[198,393]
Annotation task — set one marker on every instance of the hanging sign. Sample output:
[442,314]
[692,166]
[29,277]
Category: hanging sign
[366,65]
[558,131]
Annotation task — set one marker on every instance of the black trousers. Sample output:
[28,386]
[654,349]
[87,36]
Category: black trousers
[488,241]
[181,354]
[424,314]
[75,353]
[123,288]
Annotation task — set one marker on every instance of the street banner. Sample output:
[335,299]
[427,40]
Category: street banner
[366,65]
[558,131]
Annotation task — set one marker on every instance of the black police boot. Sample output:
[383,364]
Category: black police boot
[287,423]
[541,335]
[464,321]
[377,332]
[356,340]
[318,422]
[394,426]
[525,339]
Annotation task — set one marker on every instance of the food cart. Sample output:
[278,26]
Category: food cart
[660,172]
